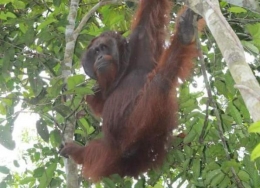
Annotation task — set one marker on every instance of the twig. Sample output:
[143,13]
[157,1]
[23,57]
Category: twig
[91,12]
[218,117]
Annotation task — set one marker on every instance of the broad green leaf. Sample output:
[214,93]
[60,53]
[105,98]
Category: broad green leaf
[55,138]
[57,3]
[18,4]
[221,87]
[254,30]
[244,176]
[23,27]
[237,10]
[35,81]
[217,179]
[4,170]
[74,81]
[225,182]
[139,184]
[190,102]
[2,110]
[2,16]
[6,137]
[42,130]
[196,168]
[255,127]
[158,185]
[47,175]
[16,163]
[212,166]
[89,129]
[79,91]
[47,22]
[226,165]
[250,46]
[211,175]
[109,183]
[233,111]
[256,152]
[187,150]
[63,110]
[10,15]
[38,172]
[5,1]
[190,137]
[27,180]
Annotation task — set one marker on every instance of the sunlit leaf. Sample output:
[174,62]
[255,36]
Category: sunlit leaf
[47,175]
[255,127]
[237,10]
[256,152]
[73,81]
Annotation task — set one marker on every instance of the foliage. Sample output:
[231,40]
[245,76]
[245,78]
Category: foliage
[31,53]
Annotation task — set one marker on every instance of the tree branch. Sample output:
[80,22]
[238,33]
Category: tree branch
[232,51]
[87,16]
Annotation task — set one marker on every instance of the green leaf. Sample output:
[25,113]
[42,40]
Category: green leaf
[56,3]
[217,179]
[89,129]
[22,27]
[237,10]
[4,170]
[80,91]
[74,81]
[27,180]
[47,175]
[55,138]
[47,22]
[18,4]
[63,110]
[109,183]
[140,184]
[196,168]
[254,30]
[244,176]
[10,15]
[225,182]
[255,153]
[233,111]
[254,128]
[5,1]
[211,175]
[250,46]
[42,130]
[221,87]
[16,164]
[190,137]
[6,137]
[35,81]
[38,172]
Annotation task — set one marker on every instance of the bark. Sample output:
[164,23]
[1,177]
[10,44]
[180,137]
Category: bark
[70,166]
[71,35]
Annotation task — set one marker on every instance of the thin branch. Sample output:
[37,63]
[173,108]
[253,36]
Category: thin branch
[87,16]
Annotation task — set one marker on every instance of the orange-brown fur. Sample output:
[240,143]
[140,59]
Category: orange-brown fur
[139,114]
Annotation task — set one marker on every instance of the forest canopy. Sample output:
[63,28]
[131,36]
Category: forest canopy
[41,79]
